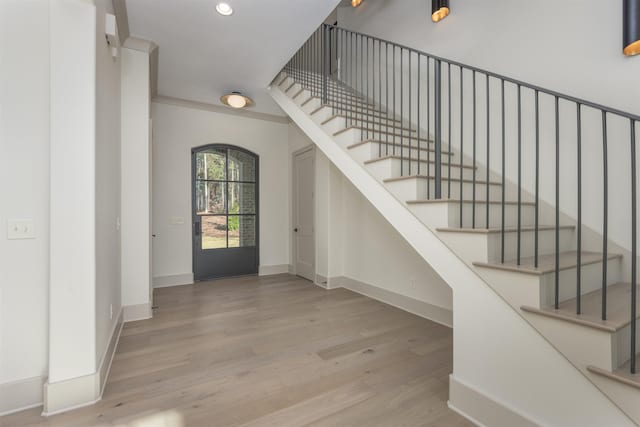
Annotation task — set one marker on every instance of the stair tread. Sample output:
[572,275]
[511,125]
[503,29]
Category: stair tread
[361,113]
[496,230]
[396,135]
[363,104]
[359,119]
[546,263]
[413,159]
[622,374]
[618,309]
[467,180]
[491,202]
[397,145]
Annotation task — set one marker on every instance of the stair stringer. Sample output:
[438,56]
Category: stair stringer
[497,354]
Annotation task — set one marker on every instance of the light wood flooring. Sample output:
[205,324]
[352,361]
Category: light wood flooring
[271,351]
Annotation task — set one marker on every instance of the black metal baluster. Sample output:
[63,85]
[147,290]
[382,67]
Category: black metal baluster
[487,197]
[579,242]
[537,189]
[461,140]
[473,197]
[503,177]
[605,215]
[410,117]
[429,127]
[418,114]
[557,266]
[438,128]
[519,234]
[394,102]
[402,121]
[449,130]
[386,85]
[634,253]
[380,95]
[361,92]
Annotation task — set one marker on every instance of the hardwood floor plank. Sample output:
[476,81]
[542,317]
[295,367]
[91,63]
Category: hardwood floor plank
[271,351]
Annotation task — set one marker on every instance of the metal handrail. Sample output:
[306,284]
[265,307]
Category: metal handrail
[350,72]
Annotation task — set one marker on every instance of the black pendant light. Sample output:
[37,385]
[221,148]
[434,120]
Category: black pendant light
[630,27]
[440,10]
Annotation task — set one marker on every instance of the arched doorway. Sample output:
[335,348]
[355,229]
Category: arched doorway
[225,211]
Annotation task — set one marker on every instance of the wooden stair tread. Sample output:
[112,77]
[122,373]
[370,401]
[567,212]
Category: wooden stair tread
[413,159]
[618,309]
[491,202]
[466,180]
[497,230]
[362,103]
[546,263]
[398,146]
[622,374]
[391,134]
[359,119]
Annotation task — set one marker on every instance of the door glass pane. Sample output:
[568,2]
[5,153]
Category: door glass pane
[242,231]
[242,198]
[210,197]
[214,232]
[242,166]
[211,164]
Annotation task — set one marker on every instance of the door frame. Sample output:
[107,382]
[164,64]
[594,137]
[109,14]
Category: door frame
[294,197]
[192,214]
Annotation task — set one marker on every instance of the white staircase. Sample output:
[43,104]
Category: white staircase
[501,309]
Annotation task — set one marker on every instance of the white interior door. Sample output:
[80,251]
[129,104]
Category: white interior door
[303,208]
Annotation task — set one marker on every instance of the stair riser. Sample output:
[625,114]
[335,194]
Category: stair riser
[480,247]
[352,136]
[622,344]
[391,167]
[371,150]
[339,123]
[448,215]
[348,117]
[419,188]
[538,290]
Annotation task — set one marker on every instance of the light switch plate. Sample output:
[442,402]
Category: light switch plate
[20,229]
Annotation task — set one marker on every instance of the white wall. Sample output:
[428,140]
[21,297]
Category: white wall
[24,175]
[107,184]
[177,129]
[345,219]
[135,182]
[524,40]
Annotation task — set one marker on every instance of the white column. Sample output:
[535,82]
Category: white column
[72,315]
[136,184]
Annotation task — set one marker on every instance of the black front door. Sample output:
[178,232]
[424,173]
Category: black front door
[225,211]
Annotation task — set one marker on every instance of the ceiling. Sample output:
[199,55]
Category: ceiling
[204,55]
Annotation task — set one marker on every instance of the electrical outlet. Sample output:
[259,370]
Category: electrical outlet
[118,223]
[412,282]
[111,311]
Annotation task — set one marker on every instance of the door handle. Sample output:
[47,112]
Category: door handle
[196,228]
[295,229]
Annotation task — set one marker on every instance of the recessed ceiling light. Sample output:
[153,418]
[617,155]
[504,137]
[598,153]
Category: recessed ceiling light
[224,9]
[236,100]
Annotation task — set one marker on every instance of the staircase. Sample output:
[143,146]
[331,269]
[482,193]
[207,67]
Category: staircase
[453,157]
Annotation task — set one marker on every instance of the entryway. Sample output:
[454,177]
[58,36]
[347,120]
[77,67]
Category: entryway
[225,211]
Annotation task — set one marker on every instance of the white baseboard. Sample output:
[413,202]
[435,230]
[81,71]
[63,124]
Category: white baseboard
[83,391]
[20,395]
[292,269]
[137,312]
[107,358]
[63,396]
[173,280]
[419,308]
[267,270]
[481,409]
[322,281]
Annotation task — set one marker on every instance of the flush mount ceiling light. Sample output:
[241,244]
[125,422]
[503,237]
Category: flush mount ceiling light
[356,3]
[236,100]
[224,9]
[439,10]
[631,27]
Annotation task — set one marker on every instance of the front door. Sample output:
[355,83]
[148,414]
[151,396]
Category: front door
[225,211]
